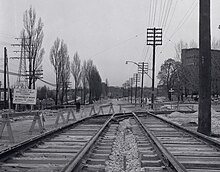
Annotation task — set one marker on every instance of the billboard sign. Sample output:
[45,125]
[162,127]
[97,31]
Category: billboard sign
[24,96]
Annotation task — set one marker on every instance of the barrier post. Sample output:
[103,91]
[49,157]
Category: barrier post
[92,110]
[36,119]
[70,111]
[6,122]
[60,114]
[111,109]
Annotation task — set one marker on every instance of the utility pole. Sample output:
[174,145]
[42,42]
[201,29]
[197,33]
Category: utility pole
[5,68]
[142,83]
[131,79]
[142,68]
[154,38]
[136,79]
[204,117]
[123,90]
[127,83]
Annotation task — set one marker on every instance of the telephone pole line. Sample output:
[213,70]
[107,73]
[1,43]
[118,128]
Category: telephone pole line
[204,117]
[154,38]
[142,68]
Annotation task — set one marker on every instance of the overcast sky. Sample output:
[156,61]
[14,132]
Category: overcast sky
[107,31]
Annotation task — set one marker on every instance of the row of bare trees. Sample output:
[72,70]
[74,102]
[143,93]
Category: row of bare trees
[86,75]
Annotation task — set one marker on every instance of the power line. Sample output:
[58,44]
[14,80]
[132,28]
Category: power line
[17,74]
[149,16]
[161,2]
[170,19]
[162,13]
[184,19]
[155,9]
[167,13]
[117,45]
[51,84]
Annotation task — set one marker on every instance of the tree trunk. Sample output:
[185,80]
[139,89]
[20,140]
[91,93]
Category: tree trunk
[75,93]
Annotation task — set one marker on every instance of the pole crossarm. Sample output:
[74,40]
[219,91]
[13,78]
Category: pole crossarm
[154,36]
[136,77]
[129,61]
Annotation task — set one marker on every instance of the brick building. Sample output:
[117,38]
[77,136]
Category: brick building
[190,61]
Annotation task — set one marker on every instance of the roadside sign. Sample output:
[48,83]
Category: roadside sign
[24,96]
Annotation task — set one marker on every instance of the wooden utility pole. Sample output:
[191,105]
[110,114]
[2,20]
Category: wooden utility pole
[136,79]
[131,80]
[204,117]
[5,76]
[154,38]
[142,68]
[142,83]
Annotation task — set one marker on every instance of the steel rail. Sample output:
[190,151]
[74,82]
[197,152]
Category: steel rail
[193,133]
[173,161]
[16,149]
[77,159]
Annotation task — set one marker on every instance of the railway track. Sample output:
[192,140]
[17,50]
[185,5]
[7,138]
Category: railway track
[52,150]
[132,141]
[114,150]
[194,151]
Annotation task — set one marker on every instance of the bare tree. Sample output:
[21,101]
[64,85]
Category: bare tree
[88,75]
[65,70]
[96,84]
[76,72]
[56,62]
[216,43]
[33,34]
[84,80]
[193,44]
[94,80]
[178,47]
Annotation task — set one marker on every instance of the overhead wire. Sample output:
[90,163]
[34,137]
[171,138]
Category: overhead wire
[186,16]
[161,2]
[155,9]
[162,13]
[162,16]
[165,31]
[167,13]
[149,12]
[117,45]
[184,19]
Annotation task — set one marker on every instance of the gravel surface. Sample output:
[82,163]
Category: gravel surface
[124,156]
